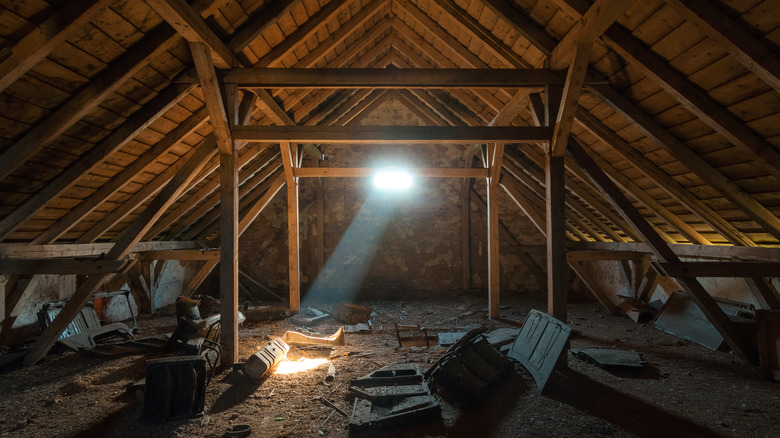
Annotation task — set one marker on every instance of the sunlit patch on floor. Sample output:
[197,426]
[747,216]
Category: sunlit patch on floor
[288,366]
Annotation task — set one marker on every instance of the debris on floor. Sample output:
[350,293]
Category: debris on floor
[265,313]
[394,395]
[351,313]
[357,328]
[299,339]
[309,316]
[610,357]
[414,336]
[265,358]
[682,317]
[541,341]
[470,369]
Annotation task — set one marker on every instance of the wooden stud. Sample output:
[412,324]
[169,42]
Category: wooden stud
[289,158]
[228,260]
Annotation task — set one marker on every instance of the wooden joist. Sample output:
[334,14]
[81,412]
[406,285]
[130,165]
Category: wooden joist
[362,172]
[60,266]
[719,269]
[22,250]
[392,134]
[347,78]
[181,254]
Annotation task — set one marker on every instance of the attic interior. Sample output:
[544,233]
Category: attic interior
[608,170]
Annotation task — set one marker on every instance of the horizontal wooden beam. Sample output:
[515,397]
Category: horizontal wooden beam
[180,254]
[392,134]
[598,255]
[361,172]
[684,250]
[719,269]
[22,250]
[450,78]
[72,266]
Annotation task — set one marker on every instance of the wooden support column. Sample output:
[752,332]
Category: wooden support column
[289,158]
[228,260]
[556,237]
[494,285]
[465,230]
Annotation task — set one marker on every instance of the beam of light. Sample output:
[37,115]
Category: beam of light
[342,276]
[288,366]
[392,179]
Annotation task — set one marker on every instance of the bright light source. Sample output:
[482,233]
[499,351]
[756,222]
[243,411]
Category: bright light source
[393,179]
[289,366]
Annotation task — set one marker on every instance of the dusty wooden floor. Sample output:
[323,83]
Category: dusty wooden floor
[685,390]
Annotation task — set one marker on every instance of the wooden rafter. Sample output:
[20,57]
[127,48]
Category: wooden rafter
[191,26]
[731,35]
[39,42]
[571,94]
[733,336]
[86,99]
[676,148]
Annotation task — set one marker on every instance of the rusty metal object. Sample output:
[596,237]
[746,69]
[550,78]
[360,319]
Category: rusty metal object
[265,358]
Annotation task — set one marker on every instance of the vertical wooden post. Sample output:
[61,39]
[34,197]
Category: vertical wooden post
[228,256]
[494,285]
[556,237]
[228,236]
[320,204]
[465,229]
[290,158]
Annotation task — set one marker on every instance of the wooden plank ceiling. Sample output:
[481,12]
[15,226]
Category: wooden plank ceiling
[101,106]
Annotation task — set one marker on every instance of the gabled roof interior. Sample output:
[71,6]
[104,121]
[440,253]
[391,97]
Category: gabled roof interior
[94,123]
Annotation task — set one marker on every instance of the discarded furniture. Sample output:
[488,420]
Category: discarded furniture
[610,358]
[471,368]
[175,388]
[351,313]
[768,322]
[265,358]
[392,396]
[85,330]
[540,344]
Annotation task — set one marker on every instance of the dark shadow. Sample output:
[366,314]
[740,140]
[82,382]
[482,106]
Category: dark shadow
[511,322]
[481,420]
[241,387]
[632,414]
[105,426]
[647,372]
[432,427]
